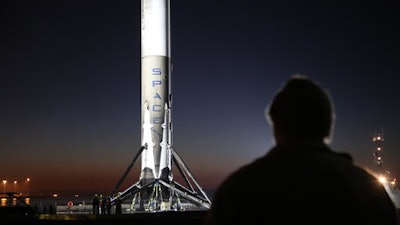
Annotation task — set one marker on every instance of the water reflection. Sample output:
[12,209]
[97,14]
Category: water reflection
[5,201]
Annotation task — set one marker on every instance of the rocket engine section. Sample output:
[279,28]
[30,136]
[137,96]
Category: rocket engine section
[155,84]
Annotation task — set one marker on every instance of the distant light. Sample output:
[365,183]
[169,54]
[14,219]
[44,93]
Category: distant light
[393,182]
[55,195]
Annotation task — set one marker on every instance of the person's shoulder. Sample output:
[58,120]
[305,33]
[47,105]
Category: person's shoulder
[231,190]
[326,153]
[244,174]
[344,156]
[359,176]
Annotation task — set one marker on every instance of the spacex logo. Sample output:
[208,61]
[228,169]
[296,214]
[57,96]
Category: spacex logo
[156,84]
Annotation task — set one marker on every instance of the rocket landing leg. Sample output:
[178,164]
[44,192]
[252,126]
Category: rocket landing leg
[165,195]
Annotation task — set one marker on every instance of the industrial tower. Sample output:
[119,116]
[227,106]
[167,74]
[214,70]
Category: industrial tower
[377,152]
[383,174]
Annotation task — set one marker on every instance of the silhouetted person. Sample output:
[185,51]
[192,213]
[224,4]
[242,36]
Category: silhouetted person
[108,204]
[102,204]
[96,204]
[118,206]
[301,180]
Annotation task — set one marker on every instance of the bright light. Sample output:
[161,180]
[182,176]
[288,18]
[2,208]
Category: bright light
[393,182]
[27,185]
[382,179]
[4,185]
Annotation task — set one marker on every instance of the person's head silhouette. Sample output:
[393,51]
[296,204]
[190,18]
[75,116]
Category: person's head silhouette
[302,109]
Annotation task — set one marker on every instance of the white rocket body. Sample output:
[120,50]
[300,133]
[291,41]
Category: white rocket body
[156,190]
[155,89]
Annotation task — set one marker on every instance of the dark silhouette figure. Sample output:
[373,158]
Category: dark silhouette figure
[108,204]
[96,204]
[118,206]
[103,204]
[301,180]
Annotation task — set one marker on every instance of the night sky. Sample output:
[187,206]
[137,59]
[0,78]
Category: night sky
[70,84]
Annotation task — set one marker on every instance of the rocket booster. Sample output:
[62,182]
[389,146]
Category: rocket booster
[155,87]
